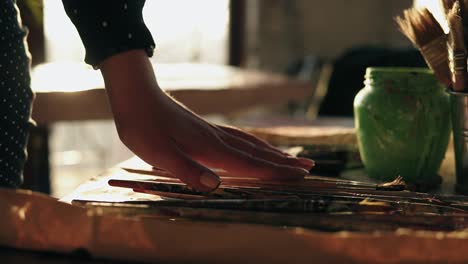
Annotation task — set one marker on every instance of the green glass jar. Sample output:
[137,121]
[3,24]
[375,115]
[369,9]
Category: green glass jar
[402,119]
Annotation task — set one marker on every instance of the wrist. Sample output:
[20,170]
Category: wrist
[130,83]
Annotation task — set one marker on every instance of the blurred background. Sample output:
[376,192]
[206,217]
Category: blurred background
[337,38]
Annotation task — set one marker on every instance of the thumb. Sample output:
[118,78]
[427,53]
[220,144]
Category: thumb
[189,171]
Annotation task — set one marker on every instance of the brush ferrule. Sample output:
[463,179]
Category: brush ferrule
[458,61]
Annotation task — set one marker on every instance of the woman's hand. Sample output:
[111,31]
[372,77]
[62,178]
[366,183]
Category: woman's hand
[166,134]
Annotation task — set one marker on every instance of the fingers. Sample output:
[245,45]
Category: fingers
[261,152]
[243,164]
[305,163]
[250,138]
[188,170]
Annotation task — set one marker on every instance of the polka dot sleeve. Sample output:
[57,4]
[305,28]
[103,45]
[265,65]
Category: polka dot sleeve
[109,27]
[15,96]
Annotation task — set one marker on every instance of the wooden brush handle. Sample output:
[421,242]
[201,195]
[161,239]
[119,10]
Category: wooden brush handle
[459,70]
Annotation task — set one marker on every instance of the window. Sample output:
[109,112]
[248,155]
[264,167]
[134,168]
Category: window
[184,31]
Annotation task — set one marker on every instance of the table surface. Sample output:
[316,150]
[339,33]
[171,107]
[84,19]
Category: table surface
[70,92]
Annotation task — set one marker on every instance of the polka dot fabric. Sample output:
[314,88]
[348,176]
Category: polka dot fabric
[109,27]
[15,95]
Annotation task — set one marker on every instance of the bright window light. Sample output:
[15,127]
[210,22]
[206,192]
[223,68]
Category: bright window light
[184,31]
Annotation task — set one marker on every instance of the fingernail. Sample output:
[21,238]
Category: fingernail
[307,162]
[301,173]
[210,180]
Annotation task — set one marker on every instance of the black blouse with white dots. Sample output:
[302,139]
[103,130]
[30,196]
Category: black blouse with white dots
[15,95]
[106,27]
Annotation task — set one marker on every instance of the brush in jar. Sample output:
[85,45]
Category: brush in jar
[423,30]
[457,49]
[447,6]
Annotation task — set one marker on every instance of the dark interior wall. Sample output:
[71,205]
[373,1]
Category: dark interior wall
[279,31]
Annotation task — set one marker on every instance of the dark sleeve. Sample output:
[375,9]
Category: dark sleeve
[109,27]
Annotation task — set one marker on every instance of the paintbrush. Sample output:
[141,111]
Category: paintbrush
[457,49]
[182,191]
[447,5]
[423,30]
[310,181]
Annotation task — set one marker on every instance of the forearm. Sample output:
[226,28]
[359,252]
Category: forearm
[129,78]
[118,42]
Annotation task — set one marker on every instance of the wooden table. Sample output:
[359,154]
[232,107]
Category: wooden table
[72,92]
[177,240]
[75,92]
[216,241]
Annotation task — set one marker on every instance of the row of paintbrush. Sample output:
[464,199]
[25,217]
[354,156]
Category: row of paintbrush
[316,202]
[445,53]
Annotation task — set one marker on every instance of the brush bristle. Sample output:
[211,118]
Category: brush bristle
[456,27]
[457,47]
[420,26]
[447,5]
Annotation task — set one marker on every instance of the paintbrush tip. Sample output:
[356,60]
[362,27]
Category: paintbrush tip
[419,25]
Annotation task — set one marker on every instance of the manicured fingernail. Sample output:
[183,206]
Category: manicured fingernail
[307,162]
[210,180]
